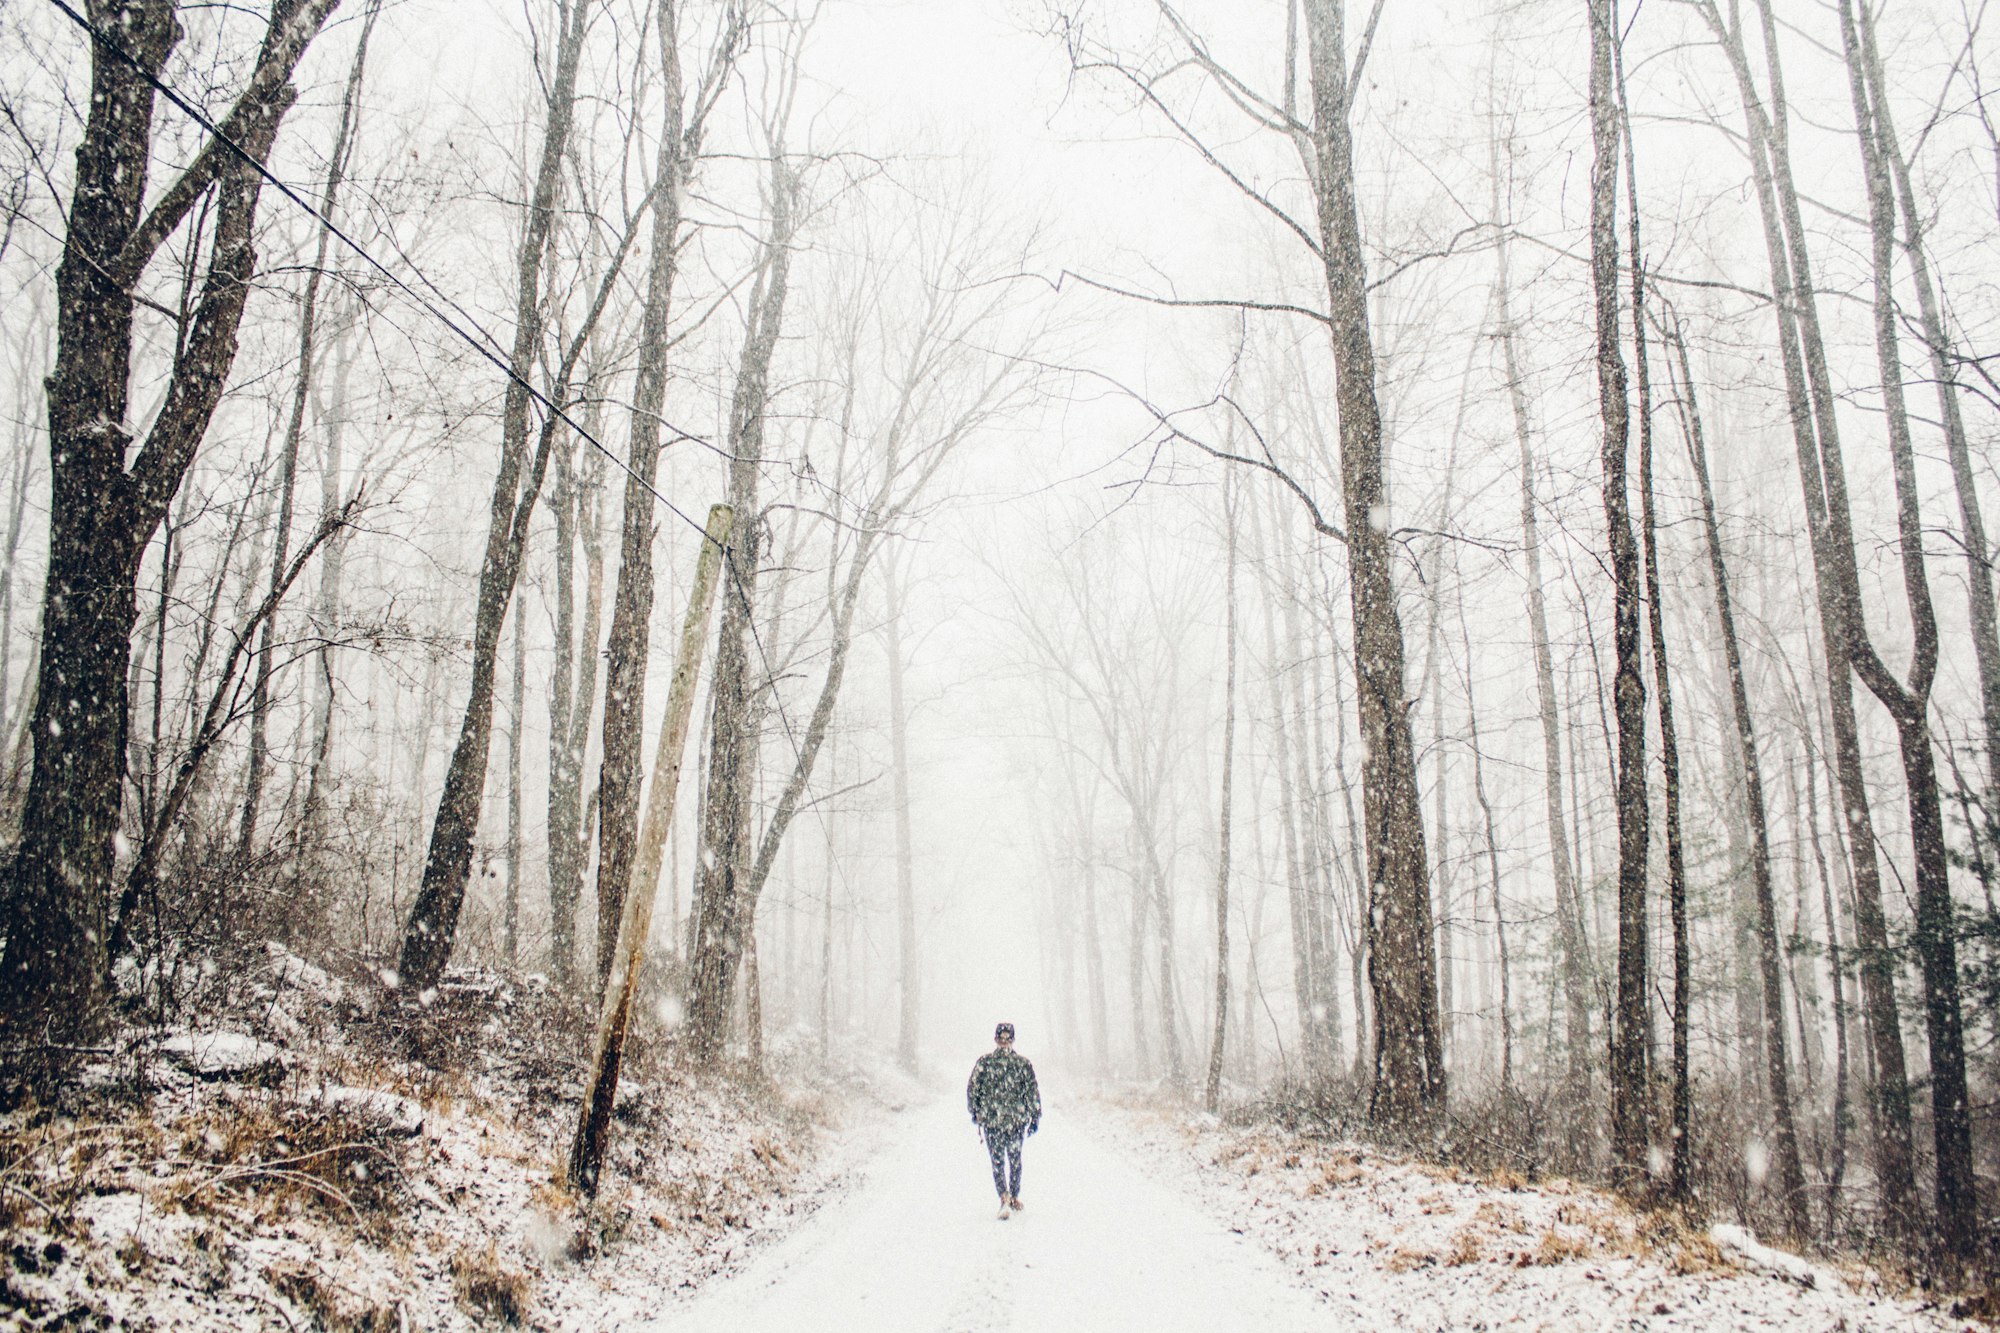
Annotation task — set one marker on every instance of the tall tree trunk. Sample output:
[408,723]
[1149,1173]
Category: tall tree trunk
[103,513]
[511,916]
[288,453]
[1909,703]
[1314,846]
[1306,982]
[433,922]
[1810,408]
[1492,862]
[1628,1036]
[1409,1082]
[332,572]
[1670,756]
[727,910]
[573,693]
[1791,1176]
[1943,361]
[1842,1113]
[1213,1097]
[632,602]
[1568,916]
[906,892]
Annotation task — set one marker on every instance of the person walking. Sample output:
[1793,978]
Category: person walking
[1006,1106]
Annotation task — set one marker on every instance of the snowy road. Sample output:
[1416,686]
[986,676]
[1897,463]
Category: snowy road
[916,1249]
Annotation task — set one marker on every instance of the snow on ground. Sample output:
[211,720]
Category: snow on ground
[337,1185]
[356,1190]
[912,1245]
[1392,1244]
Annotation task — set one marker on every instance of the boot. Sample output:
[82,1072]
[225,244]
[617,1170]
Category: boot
[1005,1212]
[1015,1203]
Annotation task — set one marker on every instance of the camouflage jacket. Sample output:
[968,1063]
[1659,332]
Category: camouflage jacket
[1002,1094]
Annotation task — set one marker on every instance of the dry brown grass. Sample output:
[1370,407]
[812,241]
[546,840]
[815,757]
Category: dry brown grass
[1404,1259]
[334,1306]
[282,1159]
[490,1287]
[1467,1247]
[1554,1248]
[1500,1216]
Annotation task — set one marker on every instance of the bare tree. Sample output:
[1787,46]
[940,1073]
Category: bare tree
[288,453]
[686,116]
[1629,1072]
[433,921]
[1214,1089]
[104,511]
[1909,701]
[1809,401]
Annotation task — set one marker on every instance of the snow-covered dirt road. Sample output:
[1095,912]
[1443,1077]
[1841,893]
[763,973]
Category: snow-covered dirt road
[1159,1223]
[915,1248]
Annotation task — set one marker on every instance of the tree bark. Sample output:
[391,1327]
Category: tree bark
[1791,1176]
[1213,1096]
[1409,1076]
[1909,702]
[1628,1036]
[104,513]
[727,913]
[632,601]
[593,1129]
[572,706]
[511,914]
[432,927]
[1985,619]
[1810,407]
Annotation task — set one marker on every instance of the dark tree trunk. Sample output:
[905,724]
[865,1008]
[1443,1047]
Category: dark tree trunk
[572,705]
[1909,703]
[1628,1037]
[102,513]
[619,775]
[432,927]
[1409,1082]
[1985,621]
[1791,1176]
[727,905]
[1213,1095]
[1810,409]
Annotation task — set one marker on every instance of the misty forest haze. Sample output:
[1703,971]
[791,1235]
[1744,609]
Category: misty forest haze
[1399,573]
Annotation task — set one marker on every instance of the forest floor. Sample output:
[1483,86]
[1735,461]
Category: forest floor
[1145,1221]
[302,1164]
[296,1167]
[1388,1243]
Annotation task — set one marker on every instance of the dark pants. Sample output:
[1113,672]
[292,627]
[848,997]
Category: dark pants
[1004,1147]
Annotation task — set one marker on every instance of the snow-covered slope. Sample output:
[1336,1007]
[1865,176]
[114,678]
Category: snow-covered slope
[1392,1244]
[303,1175]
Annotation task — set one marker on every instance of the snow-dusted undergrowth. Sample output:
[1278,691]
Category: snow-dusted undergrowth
[1388,1243]
[293,1174]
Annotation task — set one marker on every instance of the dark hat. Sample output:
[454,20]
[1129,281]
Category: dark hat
[1005,1032]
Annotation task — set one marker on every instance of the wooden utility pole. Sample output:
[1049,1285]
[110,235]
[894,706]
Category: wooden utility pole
[586,1154]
